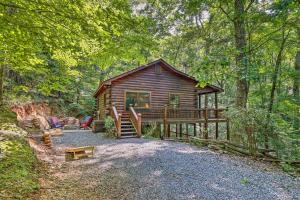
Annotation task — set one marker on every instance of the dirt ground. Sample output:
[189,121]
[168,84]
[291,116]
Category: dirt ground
[154,169]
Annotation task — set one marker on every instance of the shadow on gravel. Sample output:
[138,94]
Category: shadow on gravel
[147,169]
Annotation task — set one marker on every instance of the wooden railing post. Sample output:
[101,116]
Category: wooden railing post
[139,125]
[117,118]
[111,109]
[206,118]
[136,120]
[119,125]
[216,115]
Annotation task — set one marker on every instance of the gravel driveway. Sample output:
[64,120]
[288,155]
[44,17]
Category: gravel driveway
[150,169]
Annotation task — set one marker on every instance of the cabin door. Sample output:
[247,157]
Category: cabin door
[130,100]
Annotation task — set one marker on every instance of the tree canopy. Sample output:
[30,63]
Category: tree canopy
[61,49]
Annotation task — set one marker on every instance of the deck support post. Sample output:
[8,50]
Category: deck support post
[195,130]
[165,121]
[180,130]
[206,117]
[217,115]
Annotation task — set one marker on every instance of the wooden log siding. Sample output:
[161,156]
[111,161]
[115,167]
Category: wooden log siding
[101,106]
[160,86]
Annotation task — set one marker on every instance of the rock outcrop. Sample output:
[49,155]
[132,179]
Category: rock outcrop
[33,115]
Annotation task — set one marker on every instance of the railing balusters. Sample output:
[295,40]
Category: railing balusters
[182,113]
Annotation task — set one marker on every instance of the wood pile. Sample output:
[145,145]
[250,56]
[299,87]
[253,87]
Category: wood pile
[47,140]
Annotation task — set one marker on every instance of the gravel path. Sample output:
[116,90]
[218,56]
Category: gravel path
[148,169]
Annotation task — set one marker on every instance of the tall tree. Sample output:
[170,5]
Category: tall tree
[241,57]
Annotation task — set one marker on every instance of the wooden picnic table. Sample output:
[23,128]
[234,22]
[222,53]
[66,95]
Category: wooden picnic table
[80,152]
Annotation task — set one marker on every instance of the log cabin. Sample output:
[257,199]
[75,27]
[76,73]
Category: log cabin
[159,93]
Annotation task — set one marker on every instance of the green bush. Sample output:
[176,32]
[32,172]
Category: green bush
[109,125]
[7,116]
[75,110]
[151,130]
[278,130]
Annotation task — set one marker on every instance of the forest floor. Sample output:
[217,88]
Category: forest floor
[154,169]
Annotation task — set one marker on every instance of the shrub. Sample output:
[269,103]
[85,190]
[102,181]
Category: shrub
[75,110]
[151,130]
[7,116]
[250,126]
[109,125]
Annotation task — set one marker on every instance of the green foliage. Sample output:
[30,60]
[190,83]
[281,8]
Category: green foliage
[245,181]
[59,51]
[109,125]
[17,169]
[241,119]
[291,169]
[151,130]
[281,137]
[75,110]
[7,116]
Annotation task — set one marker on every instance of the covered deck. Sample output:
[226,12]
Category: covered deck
[207,112]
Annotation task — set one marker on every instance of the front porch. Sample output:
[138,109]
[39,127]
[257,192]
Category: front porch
[167,116]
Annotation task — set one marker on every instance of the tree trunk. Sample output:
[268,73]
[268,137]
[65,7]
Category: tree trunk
[276,72]
[273,89]
[241,57]
[1,84]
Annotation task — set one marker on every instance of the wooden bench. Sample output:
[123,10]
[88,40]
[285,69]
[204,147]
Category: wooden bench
[79,152]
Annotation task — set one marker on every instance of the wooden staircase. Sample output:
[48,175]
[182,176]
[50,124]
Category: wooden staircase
[128,124]
[127,128]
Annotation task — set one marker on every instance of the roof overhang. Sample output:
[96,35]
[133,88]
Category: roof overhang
[208,89]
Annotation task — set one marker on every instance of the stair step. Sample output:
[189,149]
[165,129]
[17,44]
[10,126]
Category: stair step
[129,136]
[128,132]
[127,128]
[127,125]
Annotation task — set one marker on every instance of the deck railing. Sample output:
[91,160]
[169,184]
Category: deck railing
[151,114]
[136,119]
[117,118]
[182,113]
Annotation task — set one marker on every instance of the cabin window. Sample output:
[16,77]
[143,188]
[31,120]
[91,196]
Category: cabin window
[157,69]
[138,99]
[174,100]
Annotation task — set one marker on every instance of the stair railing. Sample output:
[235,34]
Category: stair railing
[118,119]
[136,120]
